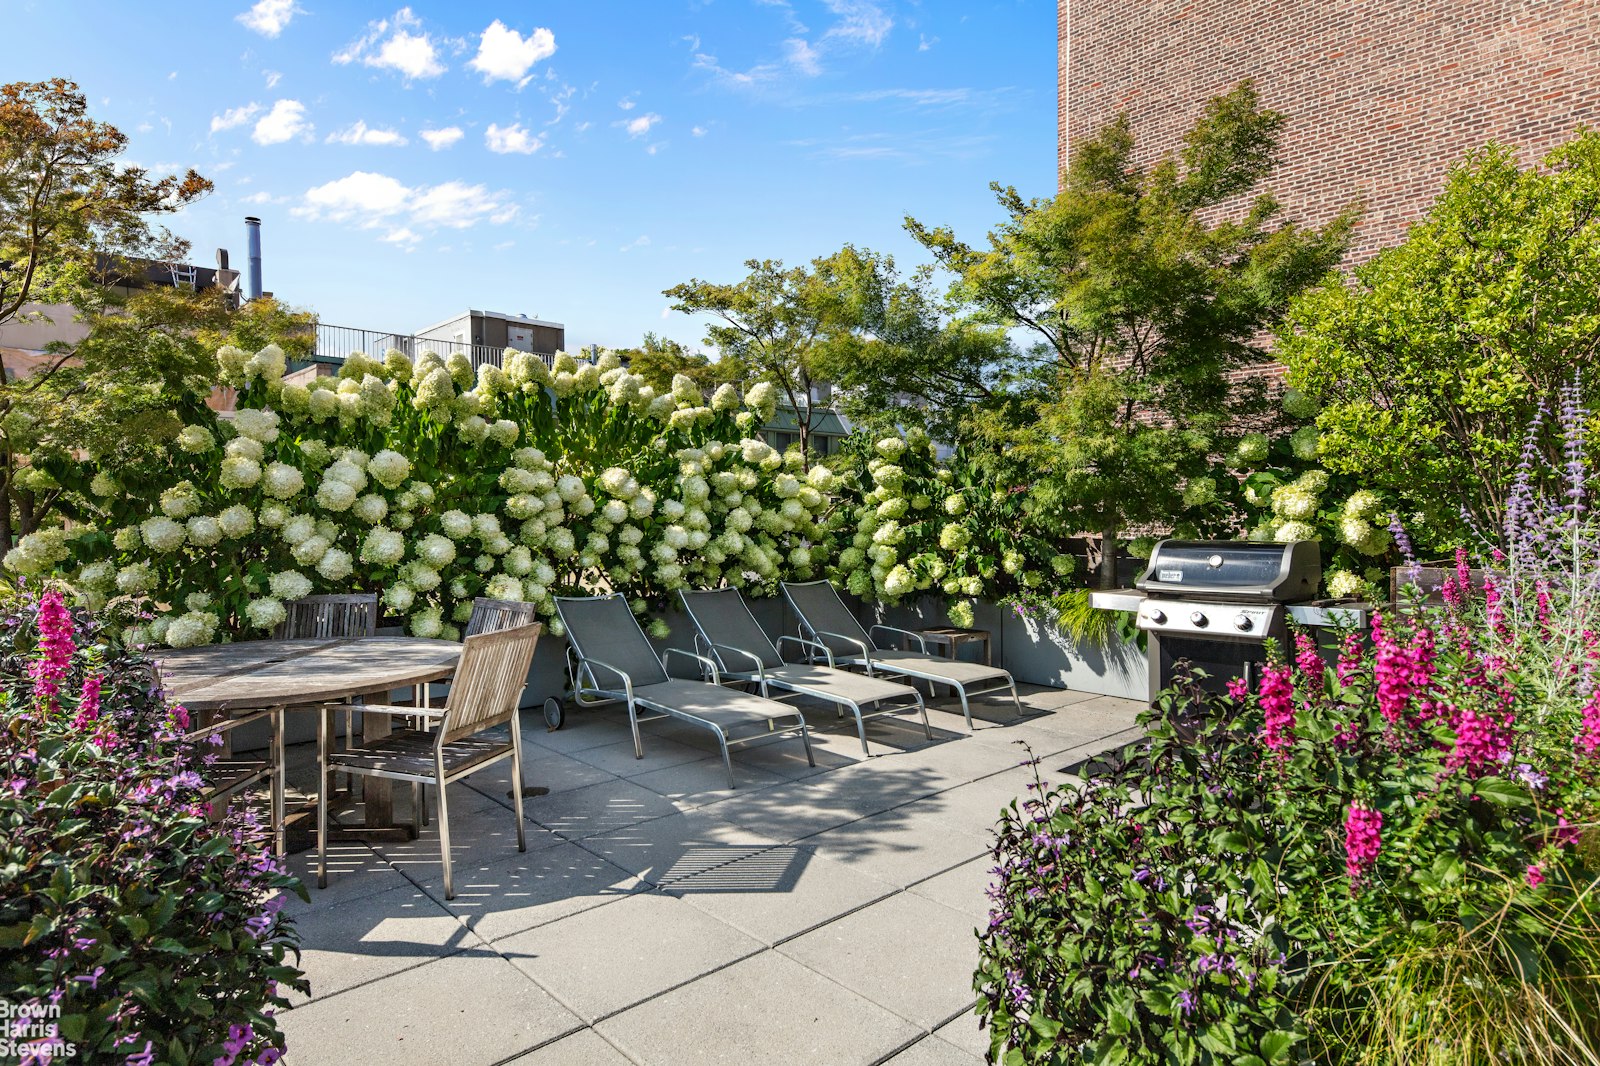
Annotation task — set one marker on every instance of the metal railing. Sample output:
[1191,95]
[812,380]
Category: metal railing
[341,342]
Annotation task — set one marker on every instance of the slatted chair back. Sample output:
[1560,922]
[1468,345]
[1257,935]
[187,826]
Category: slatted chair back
[489,681]
[822,611]
[331,616]
[603,629]
[491,616]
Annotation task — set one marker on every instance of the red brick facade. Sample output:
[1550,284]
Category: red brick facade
[1381,95]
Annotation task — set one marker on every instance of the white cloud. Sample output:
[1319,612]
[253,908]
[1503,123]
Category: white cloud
[234,116]
[925,43]
[361,133]
[638,127]
[458,205]
[438,139]
[638,242]
[860,22]
[799,54]
[506,55]
[286,121]
[506,140]
[273,78]
[405,214]
[627,103]
[699,131]
[390,44]
[263,197]
[269,17]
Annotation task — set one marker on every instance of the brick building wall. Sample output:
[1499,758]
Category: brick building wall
[1381,97]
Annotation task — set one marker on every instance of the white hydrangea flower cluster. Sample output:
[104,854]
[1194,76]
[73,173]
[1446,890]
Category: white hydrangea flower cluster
[435,481]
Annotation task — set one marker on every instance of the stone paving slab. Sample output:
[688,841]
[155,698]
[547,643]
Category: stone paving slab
[364,939]
[811,915]
[516,892]
[583,1048]
[765,1009]
[780,893]
[931,1051]
[677,846]
[906,953]
[605,960]
[473,1007]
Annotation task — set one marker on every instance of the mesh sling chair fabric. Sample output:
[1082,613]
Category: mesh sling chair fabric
[733,637]
[616,662]
[483,696]
[825,618]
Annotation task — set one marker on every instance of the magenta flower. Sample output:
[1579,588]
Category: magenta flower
[56,647]
[1363,836]
[1588,739]
[88,702]
[1535,875]
[1277,707]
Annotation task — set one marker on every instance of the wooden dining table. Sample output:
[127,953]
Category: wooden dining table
[221,680]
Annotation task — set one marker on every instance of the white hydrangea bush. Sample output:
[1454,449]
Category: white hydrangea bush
[433,482]
[915,526]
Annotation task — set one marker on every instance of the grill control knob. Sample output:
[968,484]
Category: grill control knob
[1199,618]
[1243,623]
[1159,617]
[1215,562]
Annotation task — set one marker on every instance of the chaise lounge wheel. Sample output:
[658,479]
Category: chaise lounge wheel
[554,714]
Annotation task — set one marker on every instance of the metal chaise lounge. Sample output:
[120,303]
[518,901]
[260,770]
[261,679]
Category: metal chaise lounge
[730,634]
[612,661]
[826,620]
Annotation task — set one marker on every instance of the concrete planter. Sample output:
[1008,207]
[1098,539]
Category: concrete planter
[1035,652]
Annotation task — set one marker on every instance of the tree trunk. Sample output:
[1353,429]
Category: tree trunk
[1106,572]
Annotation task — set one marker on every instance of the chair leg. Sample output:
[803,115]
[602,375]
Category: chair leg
[444,835]
[727,762]
[324,795]
[633,720]
[805,738]
[278,783]
[349,743]
[516,781]
[923,707]
[423,807]
[861,727]
[966,710]
[416,805]
[1014,697]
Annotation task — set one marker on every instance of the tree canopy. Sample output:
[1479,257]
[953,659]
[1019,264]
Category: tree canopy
[1145,289]
[1435,356]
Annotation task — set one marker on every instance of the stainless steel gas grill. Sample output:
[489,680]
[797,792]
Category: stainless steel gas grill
[1215,604]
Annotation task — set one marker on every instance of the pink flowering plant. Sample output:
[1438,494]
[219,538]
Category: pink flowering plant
[136,924]
[1386,853]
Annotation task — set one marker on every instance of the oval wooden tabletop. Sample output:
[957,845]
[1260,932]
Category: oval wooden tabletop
[253,674]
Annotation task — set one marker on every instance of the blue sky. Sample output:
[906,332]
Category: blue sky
[567,160]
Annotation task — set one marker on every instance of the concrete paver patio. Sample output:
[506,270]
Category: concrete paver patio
[812,915]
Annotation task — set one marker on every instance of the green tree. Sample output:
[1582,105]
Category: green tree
[908,360]
[778,324]
[145,367]
[1430,362]
[659,359]
[1146,290]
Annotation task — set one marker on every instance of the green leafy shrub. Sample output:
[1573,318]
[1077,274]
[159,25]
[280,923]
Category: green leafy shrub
[1430,360]
[134,925]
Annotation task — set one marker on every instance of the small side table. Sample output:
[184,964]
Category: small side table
[947,639]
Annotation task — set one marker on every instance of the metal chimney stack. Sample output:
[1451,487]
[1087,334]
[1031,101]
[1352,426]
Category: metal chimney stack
[252,226]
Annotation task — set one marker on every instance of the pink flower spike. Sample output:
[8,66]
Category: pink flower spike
[1535,875]
[1277,707]
[56,648]
[1363,837]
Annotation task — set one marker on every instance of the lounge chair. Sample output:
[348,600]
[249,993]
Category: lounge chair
[612,660]
[826,620]
[729,633]
[485,694]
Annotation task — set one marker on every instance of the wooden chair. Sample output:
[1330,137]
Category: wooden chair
[227,776]
[489,616]
[485,694]
[331,617]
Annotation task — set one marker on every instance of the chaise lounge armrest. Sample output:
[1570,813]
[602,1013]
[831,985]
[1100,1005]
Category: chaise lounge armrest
[922,643]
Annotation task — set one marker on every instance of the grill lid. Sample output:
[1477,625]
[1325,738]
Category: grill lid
[1234,570]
